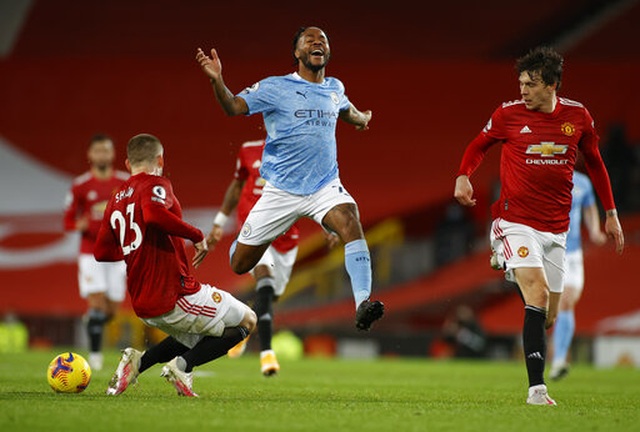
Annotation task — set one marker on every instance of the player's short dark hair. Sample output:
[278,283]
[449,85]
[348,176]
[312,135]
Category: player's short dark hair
[99,137]
[296,38]
[543,60]
[143,148]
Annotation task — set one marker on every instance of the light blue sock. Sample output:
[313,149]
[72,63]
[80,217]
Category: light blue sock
[358,264]
[232,250]
[563,335]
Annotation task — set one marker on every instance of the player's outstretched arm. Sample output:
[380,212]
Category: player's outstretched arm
[212,68]
[464,191]
[613,229]
[360,119]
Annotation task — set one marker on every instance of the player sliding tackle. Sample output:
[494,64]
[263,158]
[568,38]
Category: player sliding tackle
[300,165]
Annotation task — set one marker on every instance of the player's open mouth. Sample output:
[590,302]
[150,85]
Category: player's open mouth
[317,53]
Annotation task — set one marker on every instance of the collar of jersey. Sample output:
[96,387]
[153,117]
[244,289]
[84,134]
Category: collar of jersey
[299,78]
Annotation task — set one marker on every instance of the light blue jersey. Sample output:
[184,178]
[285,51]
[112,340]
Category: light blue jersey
[300,155]
[582,197]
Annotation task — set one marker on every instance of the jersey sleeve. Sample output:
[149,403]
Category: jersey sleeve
[477,149]
[260,97]
[344,100]
[70,210]
[595,165]
[242,172]
[157,201]
[106,247]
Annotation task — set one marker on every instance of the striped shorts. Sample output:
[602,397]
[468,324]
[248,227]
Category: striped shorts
[517,245]
[205,313]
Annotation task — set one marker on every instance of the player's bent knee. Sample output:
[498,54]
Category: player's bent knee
[240,266]
[250,320]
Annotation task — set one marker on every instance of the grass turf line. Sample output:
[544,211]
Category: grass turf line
[322,395]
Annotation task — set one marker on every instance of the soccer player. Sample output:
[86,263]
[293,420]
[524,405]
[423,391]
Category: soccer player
[143,225]
[101,284]
[541,134]
[273,271]
[583,203]
[299,164]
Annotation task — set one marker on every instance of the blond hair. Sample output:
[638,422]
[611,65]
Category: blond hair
[143,148]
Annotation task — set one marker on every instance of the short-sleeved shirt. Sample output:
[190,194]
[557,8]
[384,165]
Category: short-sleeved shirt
[300,118]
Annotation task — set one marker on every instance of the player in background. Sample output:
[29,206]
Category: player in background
[583,204]
[101,284]
[143,225]
[541,135]
[299,164]
[273,271]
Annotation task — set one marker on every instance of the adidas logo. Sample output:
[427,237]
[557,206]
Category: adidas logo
[525,129]
[535,355]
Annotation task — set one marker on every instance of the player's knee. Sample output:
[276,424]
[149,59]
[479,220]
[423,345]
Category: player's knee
[250,320]
[261,272]
[239,265]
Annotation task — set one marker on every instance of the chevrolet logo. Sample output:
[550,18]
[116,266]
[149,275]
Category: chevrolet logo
[547,149]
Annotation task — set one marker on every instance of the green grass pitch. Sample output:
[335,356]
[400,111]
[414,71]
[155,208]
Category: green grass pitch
[322,395]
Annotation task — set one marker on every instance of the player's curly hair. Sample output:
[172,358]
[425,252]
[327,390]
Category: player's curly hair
[543,60]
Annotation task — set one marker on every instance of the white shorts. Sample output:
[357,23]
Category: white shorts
[109,278]
[280,265]
[574,270]
[205,313]
[517,245]
[277,210]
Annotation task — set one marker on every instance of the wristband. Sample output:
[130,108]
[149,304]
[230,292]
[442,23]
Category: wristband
[220,219]
[612,212]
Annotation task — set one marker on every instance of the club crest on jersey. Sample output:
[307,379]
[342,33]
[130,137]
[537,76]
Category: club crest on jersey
[523,252]
[246,230]
[334,98]
[568,129]
[547,149]
[216,297]
[253,88]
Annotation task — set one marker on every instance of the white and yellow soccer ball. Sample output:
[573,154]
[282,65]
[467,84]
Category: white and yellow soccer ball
[69,373]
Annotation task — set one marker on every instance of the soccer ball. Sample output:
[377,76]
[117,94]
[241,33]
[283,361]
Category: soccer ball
[69,373]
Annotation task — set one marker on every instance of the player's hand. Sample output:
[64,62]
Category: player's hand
[366,117]
[214,236]
[82,224]
[614,231]
[464,191]
[201,251]
[211,66]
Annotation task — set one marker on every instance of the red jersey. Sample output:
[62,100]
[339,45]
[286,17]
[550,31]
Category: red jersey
[538,156]
[143,224]
[88,197]
[248,171]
